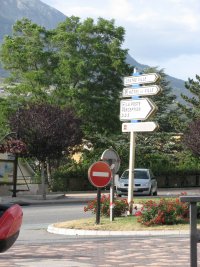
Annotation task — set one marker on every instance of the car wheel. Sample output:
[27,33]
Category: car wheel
[151,192]
[155,193]
[119,195]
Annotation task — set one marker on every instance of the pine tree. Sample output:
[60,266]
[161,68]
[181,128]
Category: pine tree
[191,107]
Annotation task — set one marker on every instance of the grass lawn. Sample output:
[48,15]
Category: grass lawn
[128,223]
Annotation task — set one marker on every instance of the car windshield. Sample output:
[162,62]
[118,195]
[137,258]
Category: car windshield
[138,174]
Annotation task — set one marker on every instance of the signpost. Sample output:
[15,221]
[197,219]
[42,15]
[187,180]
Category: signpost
[99,175]
[147,126]
[112,158]
[136,109]
[141,91]
[141,79]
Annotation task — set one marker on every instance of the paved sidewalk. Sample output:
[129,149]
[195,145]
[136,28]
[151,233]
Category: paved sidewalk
[101,252]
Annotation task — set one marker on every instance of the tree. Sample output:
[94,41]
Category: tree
[92,64]
[165,101]
[29,59]
[191,106]
[47,130]
[78,64]
[192,137]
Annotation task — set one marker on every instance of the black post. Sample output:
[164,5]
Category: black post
[98,213]
[193,234]
[15,176]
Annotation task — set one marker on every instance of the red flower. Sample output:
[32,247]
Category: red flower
[138,213]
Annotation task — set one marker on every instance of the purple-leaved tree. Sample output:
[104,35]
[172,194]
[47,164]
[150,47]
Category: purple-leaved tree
[48,131]
[192,137]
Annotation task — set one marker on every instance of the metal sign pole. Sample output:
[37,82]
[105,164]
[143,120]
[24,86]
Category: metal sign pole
[112,198]
[131,161]
[98,213]
[131,171]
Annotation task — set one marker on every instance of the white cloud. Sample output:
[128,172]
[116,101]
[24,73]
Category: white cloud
[165,33]
[120,9]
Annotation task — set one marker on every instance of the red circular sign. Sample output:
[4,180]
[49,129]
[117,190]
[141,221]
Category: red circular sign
[99,174]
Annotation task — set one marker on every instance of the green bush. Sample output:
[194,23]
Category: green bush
[64,174]
[164,212]
[120,206]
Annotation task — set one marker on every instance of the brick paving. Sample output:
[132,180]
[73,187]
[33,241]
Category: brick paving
[101,252]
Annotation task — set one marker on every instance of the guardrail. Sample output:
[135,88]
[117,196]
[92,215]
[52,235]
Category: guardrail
[194,232]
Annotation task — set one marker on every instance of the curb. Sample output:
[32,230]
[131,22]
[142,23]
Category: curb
[24,202]
[77,232]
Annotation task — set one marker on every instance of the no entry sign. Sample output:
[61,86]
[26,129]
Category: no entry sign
[99,174]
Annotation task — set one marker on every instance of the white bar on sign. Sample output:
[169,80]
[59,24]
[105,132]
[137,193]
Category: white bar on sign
[144,78]
[141,91]
[148,126]
[101,174]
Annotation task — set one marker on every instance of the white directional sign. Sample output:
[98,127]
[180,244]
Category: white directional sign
[136,109]
[147,126]
[141,91]
[144,78]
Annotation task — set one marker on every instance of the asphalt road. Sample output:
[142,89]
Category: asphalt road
[37,218]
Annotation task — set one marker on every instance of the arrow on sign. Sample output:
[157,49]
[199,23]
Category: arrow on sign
[144,78]
[141,91]
[148,126]
[136,109]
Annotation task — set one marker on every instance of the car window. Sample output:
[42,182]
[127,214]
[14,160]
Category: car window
[125,175]
[138,174]
[141,175]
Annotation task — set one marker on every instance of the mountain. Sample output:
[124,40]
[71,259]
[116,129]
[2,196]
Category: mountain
[42,14]
[37,11]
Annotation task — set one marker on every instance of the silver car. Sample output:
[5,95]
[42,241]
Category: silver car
[144,183]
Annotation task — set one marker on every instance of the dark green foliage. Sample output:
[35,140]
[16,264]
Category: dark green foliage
[78,64]
[71,176]
[165,101]
[191,108]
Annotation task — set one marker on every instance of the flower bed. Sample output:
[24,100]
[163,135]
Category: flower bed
[164,212]
[120,206]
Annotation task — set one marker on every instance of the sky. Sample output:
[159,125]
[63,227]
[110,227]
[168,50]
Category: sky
[162,33]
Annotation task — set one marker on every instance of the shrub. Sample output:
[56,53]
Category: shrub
[166,211]
[63,176]
[120,206]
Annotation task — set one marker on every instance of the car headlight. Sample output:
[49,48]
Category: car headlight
[120,184]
